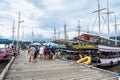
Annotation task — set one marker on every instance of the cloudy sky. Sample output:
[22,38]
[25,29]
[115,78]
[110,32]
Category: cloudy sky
[42,15]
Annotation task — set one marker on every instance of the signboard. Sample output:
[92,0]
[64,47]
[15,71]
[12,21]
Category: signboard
[87,37]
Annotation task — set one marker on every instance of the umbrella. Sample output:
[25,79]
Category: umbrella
[37,44]
[50,44]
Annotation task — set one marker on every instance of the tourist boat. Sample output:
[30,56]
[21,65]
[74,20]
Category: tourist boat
[102,54]
[105,52]
[107,56]
[5,53]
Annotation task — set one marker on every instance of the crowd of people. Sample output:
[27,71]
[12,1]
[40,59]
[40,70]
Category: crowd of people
[42,52]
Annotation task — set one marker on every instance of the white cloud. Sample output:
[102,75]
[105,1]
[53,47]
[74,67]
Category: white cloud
[35,16]
[29,13]
[52,5]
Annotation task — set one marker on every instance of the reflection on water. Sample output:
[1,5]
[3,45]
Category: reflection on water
[2,65]
[114,68]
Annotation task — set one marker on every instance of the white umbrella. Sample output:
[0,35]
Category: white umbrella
[38,44]
[50,44]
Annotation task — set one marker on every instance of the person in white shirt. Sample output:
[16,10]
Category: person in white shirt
[32,53]
[41,52]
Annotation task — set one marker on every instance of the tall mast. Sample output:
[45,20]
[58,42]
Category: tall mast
[13,30]
[54,32]
[108,18]
[32,36]
[18,32]
[108,14]
[115,32]
[78,27]
[99,16]
[58,35]
[65,33]
[99,11]
[88,29]
[23,34]
[19,21]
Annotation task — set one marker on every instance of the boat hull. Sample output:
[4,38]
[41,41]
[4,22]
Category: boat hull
[108,62]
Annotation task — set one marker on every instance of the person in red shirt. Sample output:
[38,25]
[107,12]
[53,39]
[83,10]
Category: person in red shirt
[45,53]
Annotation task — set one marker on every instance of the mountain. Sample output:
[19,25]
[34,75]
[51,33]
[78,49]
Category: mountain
[5,41]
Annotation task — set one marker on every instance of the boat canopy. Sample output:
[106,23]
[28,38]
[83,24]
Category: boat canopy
[108,48]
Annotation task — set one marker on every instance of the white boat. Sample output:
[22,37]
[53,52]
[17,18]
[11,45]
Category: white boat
[108,56]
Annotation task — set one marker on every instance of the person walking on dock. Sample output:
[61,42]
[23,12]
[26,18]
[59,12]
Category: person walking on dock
[41,52]
[52,52]
[32,53]
[48,52]
[36,53]
[45,52]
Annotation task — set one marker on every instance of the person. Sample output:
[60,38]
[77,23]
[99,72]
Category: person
[48,52]
[52,52]
[59,54]
[45,52]
[15,52]
[41,52]
[36,53]
[32,53]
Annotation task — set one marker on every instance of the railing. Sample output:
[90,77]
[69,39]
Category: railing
[84,46]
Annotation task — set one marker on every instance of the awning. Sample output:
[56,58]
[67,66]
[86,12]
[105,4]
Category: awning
[108,48]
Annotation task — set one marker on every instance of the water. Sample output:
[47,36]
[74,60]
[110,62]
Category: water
[2,65]
[113,69]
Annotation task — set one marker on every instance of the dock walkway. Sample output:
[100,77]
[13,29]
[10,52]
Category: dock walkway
[21,69]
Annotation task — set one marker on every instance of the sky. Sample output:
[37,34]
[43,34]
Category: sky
[41,16]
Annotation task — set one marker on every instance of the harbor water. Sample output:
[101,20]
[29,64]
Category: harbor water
[113,68]
[2,65]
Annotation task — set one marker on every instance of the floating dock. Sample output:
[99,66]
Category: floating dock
[22,69]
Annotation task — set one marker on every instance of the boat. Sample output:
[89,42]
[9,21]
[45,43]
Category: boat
[108,56]
[105,52]
[85,60]
[102,54]
[5,53]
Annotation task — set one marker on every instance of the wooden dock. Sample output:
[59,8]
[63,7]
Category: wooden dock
[21,69]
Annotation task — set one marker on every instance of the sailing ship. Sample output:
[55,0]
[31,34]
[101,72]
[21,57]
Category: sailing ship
[104,53]
[97,47]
